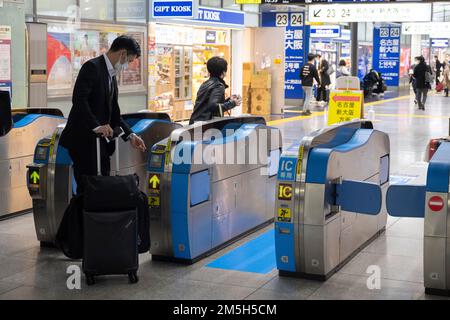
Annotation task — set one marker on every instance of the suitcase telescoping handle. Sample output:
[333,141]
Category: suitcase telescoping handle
[118,132]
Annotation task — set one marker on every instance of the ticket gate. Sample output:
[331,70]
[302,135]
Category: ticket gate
[17,146]
[432,203]
[329,198]
[198,206]
[50,177]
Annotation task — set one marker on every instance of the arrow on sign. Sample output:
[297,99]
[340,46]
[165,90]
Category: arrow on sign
[34,177]
[154,182]
[346,99]
[317,12]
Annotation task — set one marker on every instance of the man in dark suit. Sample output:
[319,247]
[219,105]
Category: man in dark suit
[95,110]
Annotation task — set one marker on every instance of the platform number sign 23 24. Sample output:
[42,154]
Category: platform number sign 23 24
[286,19]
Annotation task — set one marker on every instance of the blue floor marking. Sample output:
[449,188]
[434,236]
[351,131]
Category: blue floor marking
[258,255]
[255,256]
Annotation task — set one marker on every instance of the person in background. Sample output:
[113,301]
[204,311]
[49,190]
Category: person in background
[422,85]
[308,74]
[325,81]
[446,79]
[211,100]
[438,66]
[342,70]
[412,81]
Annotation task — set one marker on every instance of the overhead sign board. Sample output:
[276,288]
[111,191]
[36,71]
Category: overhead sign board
[325,31]
[220,16]
[439,43]
[282,19]
[433,29]
[373,12]
[319,1]
[174,9]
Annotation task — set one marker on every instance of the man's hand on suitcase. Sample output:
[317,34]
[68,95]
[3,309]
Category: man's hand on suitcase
[137,143]
[105,131]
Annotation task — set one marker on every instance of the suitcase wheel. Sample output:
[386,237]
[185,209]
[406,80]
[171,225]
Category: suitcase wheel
[133,277]
[90,280]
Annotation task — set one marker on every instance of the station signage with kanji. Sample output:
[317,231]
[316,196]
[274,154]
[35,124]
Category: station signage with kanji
[386,53]
[345,106]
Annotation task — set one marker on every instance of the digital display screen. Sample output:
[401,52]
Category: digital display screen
[156,160]
[41,153]
[384,169]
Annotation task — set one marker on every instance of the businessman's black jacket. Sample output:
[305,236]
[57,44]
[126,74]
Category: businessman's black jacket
[92,107]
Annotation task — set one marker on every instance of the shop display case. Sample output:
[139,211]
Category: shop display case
[180,55]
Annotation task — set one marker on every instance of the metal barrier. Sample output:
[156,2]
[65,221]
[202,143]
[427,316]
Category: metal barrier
[329,198]
[50,176]
[198,207]
[430,201]
[16,150]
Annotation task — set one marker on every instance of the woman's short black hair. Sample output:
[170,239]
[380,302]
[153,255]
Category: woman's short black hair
[342,63]
[128,43]
[217,66]
[420,58]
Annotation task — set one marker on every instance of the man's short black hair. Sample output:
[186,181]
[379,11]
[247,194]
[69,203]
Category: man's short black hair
[311,57]
[128,43]
[217,66]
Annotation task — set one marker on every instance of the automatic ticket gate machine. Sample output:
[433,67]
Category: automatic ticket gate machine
[200,206]
[431,202]
[50,176]
[329,198]
[25,128]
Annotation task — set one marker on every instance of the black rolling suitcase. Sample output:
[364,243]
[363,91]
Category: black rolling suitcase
[110,223]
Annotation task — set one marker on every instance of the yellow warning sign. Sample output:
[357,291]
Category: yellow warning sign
[154,202]
[345,106]
[284,215]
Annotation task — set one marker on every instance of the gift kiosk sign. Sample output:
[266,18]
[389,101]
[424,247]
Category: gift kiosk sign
[174,9]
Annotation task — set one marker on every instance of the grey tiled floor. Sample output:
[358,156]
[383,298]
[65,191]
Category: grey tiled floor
[29,272]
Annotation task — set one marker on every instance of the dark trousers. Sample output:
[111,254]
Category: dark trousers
[421,96]
[85,162]
[322,94]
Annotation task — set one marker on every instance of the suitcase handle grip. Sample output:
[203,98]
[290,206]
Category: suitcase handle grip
[117,156]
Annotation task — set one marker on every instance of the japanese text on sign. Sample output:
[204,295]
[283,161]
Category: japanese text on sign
[294,46]
[345,106]
[386,53]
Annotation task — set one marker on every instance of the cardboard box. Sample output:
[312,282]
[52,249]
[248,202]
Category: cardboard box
[261,80]
[246,106]
[248,71]
[261,102]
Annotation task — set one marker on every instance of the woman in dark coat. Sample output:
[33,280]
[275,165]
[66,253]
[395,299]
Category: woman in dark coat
[422,85]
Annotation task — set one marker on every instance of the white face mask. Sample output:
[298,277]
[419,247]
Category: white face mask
[121,66]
